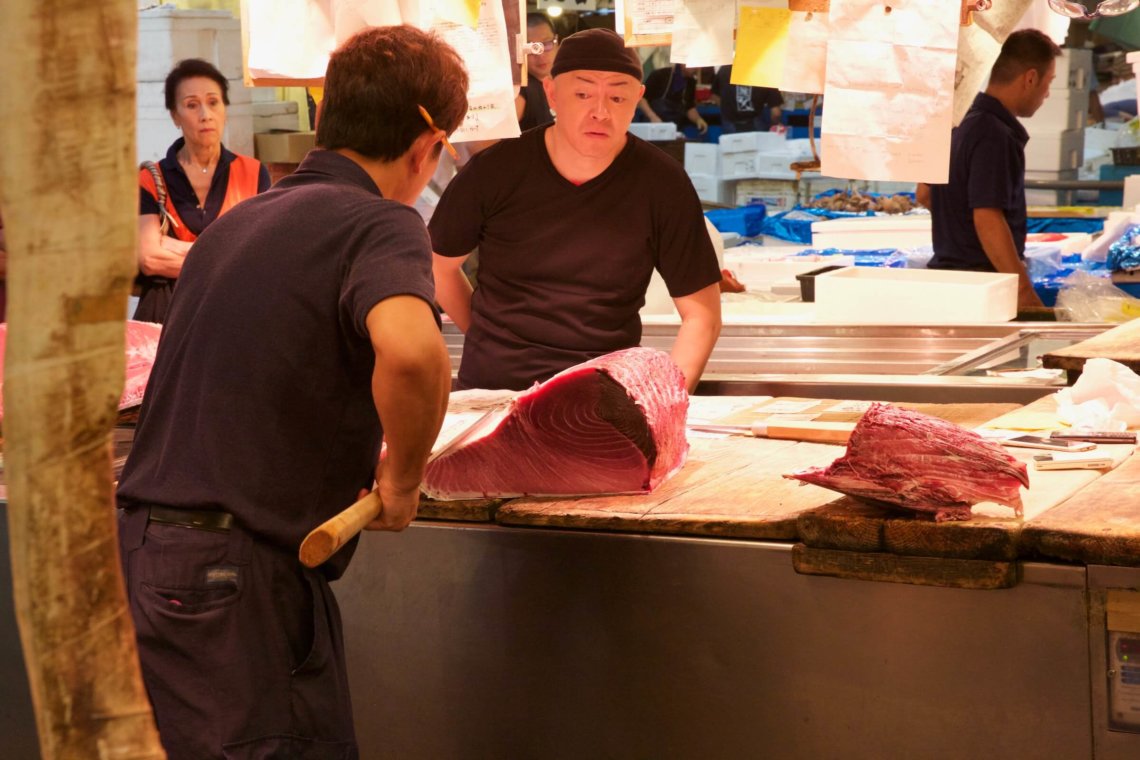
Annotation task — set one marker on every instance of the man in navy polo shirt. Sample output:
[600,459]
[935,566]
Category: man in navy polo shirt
[979,218]
[304,332]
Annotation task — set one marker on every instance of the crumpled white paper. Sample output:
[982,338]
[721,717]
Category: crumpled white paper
[1106,397]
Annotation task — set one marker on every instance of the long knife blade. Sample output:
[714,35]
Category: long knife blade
[791,430]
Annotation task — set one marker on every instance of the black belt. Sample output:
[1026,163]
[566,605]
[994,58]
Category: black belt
[202,519]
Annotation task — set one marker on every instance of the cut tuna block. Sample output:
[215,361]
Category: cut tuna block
[922,463]
[615,424]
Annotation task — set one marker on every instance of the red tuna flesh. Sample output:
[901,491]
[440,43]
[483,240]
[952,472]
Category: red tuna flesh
[141,346]
[922,463]
[614,424]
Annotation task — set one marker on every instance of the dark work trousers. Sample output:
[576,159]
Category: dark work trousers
[240,644]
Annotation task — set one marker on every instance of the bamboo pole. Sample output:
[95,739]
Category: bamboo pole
[69,199]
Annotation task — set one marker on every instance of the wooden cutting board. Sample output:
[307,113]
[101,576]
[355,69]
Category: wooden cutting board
[1120,344]
[1098,526]
[731,487]
[850,538]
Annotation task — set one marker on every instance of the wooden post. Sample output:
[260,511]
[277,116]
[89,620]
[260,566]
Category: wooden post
[69,198]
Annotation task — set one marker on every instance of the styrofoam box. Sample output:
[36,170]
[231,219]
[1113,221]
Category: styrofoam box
[167,35]
[1040,197]
[760,272]
[742,141]
[883,187]
[751,163]
[652,131]
[1074,70]
[711,188]
[775,194]
[872,232]
[701,158]
[874,295]
[1055,152]
[1062,110]
[281,121]
[1099,141]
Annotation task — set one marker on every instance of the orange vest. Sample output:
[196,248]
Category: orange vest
[244,173]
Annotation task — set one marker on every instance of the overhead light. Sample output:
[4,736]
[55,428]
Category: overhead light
[554,11]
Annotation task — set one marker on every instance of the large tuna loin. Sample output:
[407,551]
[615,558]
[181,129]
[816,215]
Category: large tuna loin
[615,424]
[922,463]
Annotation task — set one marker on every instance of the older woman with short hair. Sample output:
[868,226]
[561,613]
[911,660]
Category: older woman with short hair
[198,181]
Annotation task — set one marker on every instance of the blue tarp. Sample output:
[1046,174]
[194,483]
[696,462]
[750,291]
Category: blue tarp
[1064,224]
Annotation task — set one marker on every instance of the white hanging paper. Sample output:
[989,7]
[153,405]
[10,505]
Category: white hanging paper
[888,96]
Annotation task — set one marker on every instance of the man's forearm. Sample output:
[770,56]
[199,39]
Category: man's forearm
[411,381]
[700,328]
[452,289]
[997,242]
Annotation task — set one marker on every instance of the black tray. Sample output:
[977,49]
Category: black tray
[807,281]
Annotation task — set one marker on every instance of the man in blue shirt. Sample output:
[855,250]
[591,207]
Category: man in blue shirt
[979,217]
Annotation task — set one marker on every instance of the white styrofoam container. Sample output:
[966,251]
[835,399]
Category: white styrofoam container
[1070,242]
[1039,197]
[1074,70]
[1099,141]
[872,232]
[1134,59]
[168,35]
[654,131]
[743,141]
[711,188]
[701,158]
[282,121]
[759,273]
[752,163]
[1055,152]
[775,194]
[1062,110]
[874,295]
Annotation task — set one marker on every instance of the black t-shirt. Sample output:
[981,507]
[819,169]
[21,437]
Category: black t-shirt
[987,170]
[260,399]
[563,268]
[536,111]
[671,85]
[742,102]
[182,194]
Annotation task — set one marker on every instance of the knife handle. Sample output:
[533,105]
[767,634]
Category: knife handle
[815,432]
[324,540]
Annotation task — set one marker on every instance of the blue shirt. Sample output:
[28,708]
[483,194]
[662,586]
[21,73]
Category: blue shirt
[987,170]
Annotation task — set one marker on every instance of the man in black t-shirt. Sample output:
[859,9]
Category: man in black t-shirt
[978,219]
[671,95]
[744,108]
[304,332]
[570,221]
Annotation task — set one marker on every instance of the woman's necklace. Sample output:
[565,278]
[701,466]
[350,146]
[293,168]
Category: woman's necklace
[191,165]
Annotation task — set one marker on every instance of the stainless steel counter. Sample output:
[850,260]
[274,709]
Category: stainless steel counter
[915,363]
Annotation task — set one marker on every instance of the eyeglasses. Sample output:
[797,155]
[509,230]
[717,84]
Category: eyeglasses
[1073,9]
[443,135]
[538,47]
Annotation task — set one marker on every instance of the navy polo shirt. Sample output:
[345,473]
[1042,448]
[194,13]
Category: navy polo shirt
[987,170]
[260,401]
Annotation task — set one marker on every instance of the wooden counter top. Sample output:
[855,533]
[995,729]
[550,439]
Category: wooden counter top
[1121,344]
[732,487]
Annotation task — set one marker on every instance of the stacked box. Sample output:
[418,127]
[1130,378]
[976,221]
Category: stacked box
[665,130]
[1057,130]
[167,35]
[776,194]
[745,155]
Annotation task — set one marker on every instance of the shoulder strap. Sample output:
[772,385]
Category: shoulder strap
[167,219]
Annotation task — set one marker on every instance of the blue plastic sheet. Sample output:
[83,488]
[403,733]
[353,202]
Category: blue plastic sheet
[1124,254]
[1064,224]
[743,220]
[795,225]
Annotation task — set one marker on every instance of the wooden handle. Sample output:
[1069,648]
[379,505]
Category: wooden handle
[815,432]
[328,537]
